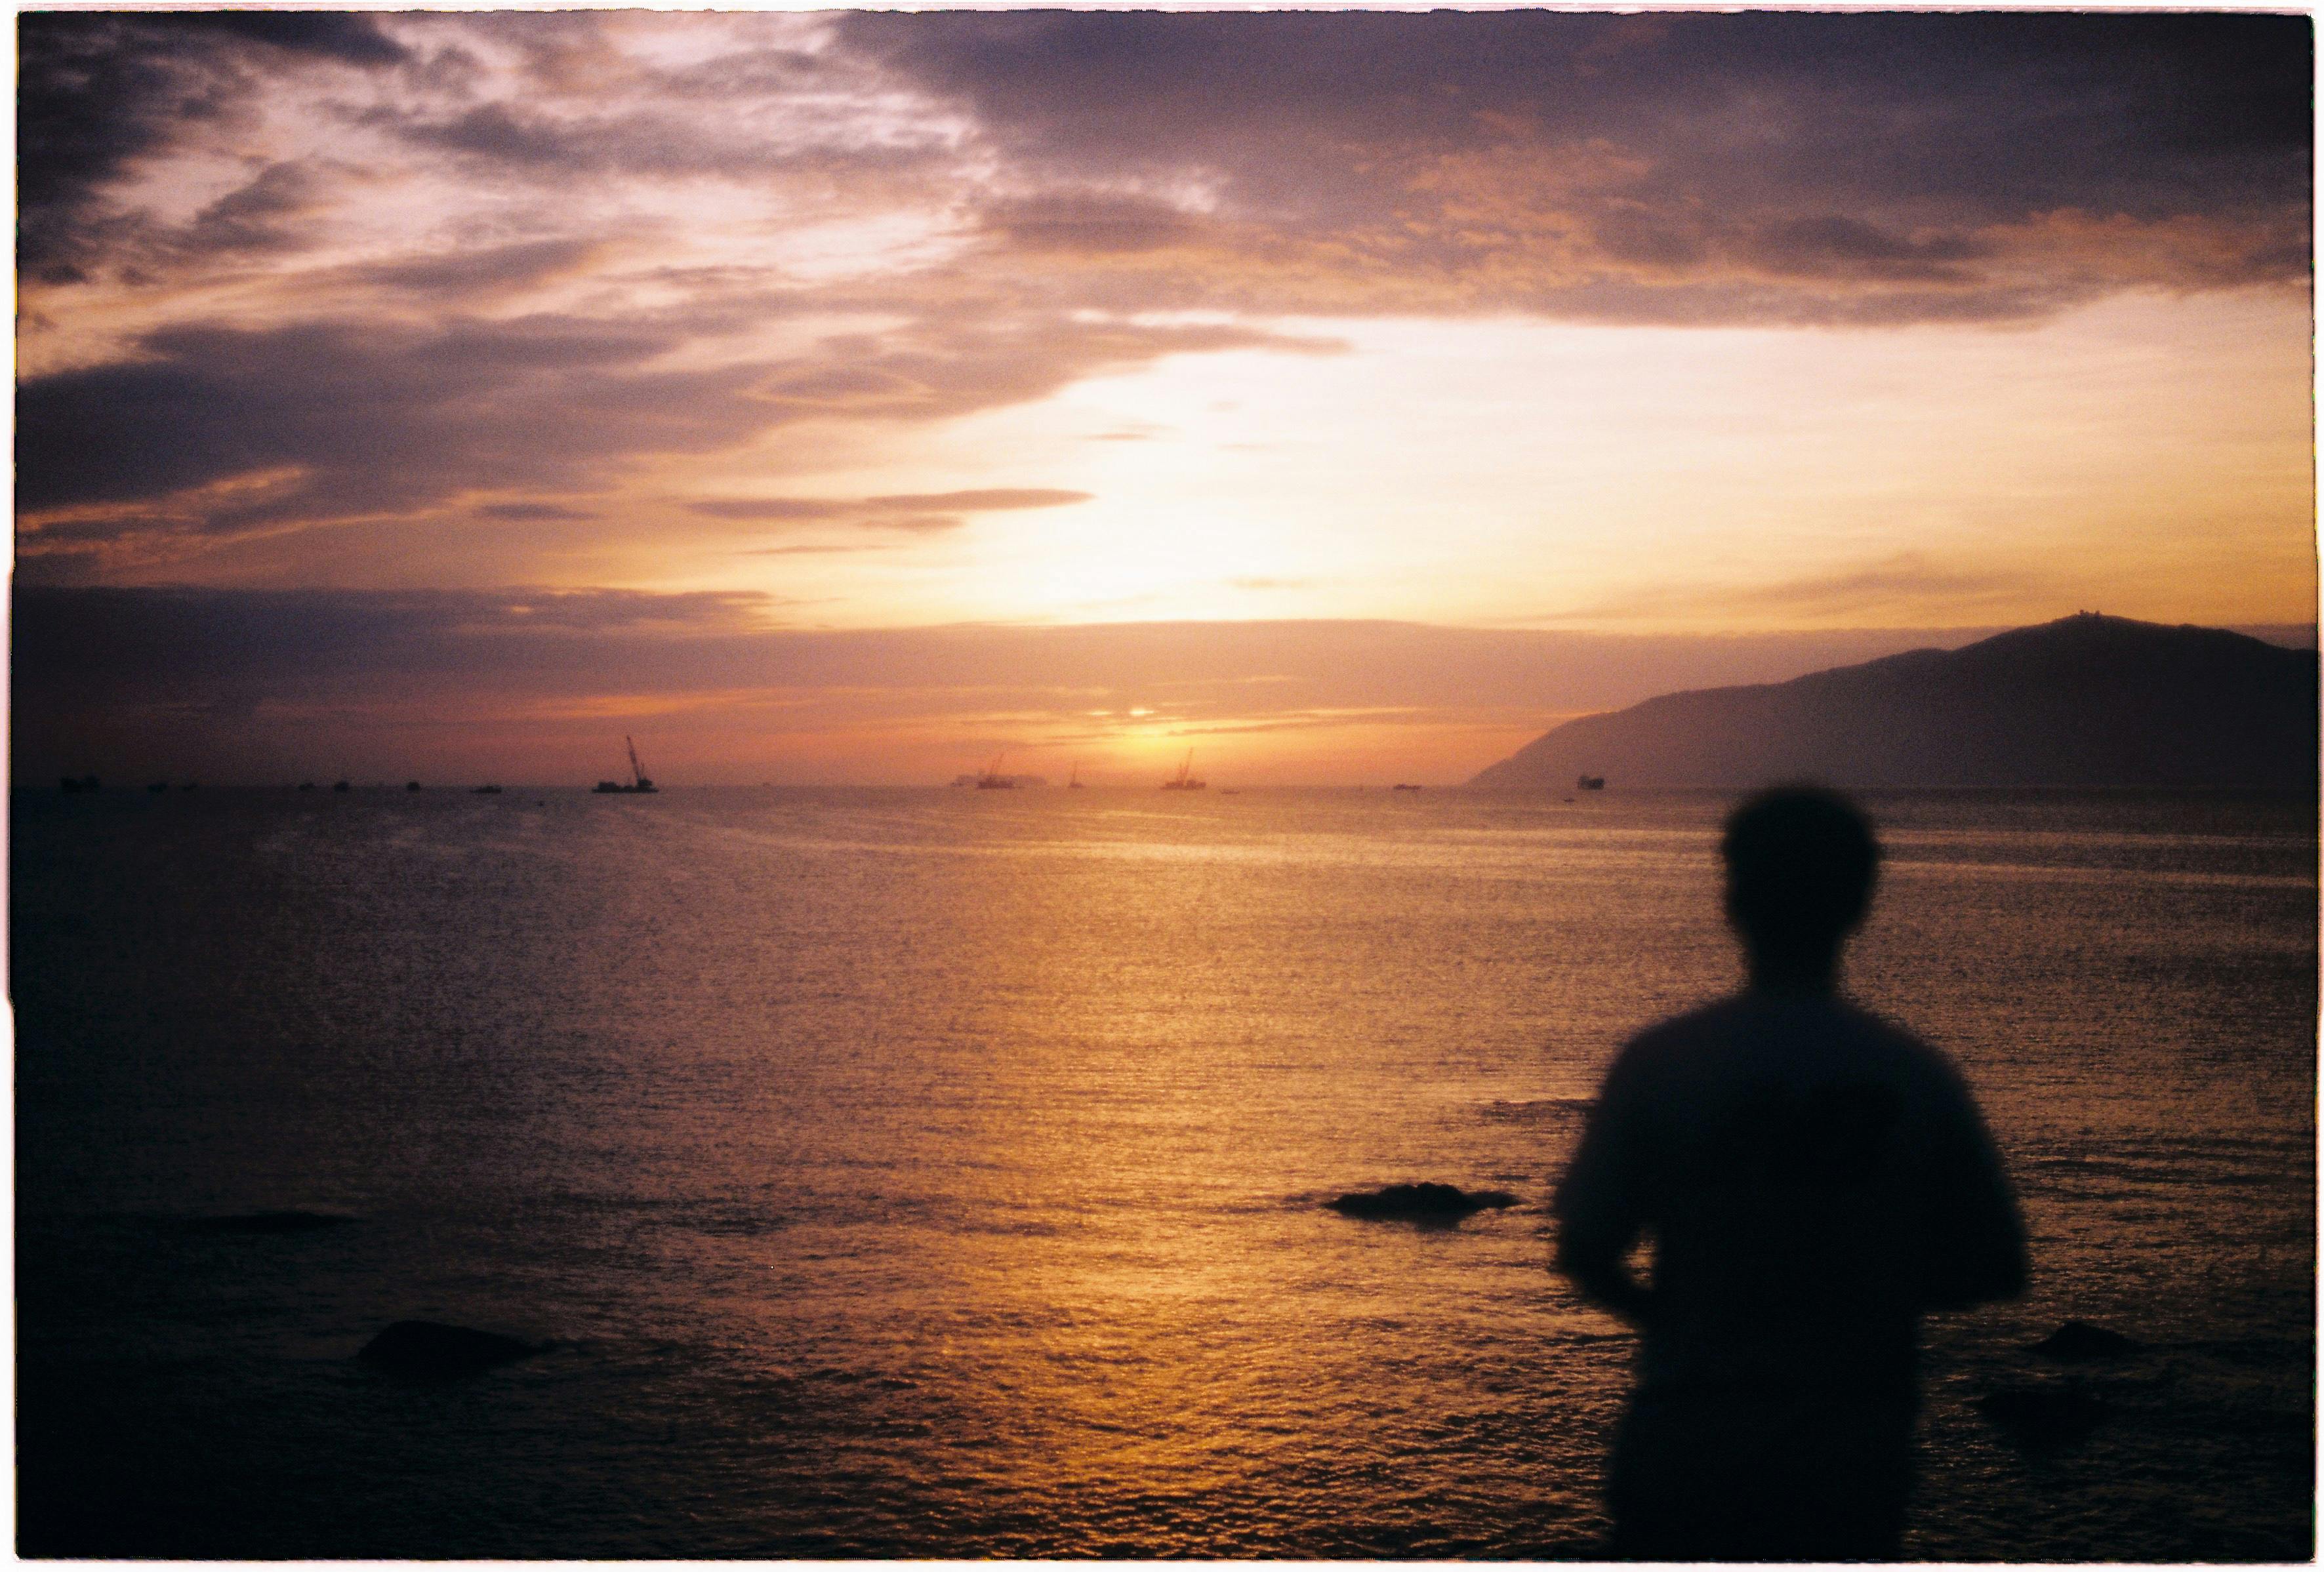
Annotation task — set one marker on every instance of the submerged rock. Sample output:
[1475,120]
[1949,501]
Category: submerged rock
[1432,1205]
[2042,1416]
[2080,1340]
[433,1351]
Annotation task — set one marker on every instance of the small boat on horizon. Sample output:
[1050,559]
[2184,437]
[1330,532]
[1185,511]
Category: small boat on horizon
[1076,783]
[639,782]
[487,791]
[1185,780]
[992,780]
[1589,783]
[1401,786]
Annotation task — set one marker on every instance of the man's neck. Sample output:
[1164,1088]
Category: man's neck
[1820,978]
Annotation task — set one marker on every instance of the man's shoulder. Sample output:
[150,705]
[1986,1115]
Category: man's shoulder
[1706,1029]
[1901,1044]
[1701,1024]
[1741,1022]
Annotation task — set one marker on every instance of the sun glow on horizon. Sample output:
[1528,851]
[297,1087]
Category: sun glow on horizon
[1503,472]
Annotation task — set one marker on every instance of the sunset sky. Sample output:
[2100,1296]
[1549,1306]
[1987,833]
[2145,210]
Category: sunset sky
[850,397]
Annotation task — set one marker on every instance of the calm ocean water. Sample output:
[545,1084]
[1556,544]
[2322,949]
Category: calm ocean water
[937,1172]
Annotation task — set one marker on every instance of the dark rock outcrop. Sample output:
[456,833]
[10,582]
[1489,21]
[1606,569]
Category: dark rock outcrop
[433,1351]
[2078,1341]
[1438,1206]
[2086,701]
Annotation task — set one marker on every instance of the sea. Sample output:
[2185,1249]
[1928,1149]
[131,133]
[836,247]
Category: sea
[937,1173]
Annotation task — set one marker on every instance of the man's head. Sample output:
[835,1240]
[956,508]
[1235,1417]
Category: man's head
[1799,866]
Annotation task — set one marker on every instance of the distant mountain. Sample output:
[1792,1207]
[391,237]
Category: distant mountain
[2086,701]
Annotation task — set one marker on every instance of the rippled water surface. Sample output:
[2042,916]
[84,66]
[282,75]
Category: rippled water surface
[927,1173]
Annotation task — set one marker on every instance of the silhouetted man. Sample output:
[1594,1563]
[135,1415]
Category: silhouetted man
[1813,1180]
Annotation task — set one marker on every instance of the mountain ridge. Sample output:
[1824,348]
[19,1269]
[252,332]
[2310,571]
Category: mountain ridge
[2084,700]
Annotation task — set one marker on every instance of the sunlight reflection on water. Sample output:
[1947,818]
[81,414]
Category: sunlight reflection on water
[920,1173]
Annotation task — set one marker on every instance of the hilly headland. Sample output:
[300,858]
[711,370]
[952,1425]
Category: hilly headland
[2085,701]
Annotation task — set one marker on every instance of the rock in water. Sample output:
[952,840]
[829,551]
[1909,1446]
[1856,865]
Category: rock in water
[1430,1205]
[2042,1416]
[2080,1340]
[432,1351]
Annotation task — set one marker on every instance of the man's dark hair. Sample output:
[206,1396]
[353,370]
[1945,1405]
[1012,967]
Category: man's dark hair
[1799,866]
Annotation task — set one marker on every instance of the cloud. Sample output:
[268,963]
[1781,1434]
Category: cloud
[351,40]
[1087,222]
[363,418]
[533,512]
[97,93]
[1897,587]
[259,217]
[1760,167]
[548,251]
[341,418]
[481,271]
[919,511]
[1767,166]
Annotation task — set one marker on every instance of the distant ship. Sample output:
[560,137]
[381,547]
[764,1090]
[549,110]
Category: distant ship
[639,780]
[992,780]
[1400,786]
[341,786]
[1076,783]
[1184,780]
[1589,783]
[487,791]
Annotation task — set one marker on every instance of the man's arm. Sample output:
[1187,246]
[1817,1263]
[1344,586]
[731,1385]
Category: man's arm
[1976,1239]
[1599,1208]
[1604,1278]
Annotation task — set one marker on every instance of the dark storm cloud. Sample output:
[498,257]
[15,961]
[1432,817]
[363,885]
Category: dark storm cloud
[216,431]
[1694,167]
[351,39]
[95,92]
[1987,114]
[364,417]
